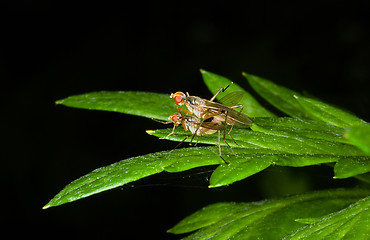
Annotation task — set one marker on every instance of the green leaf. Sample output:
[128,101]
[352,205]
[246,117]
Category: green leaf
[133,169]
[144,104]
[295,105]
[112,176]
[349,223]
[364,177]
[251,107]
[269,219]
[207,216]
[248,162]
[349,167]
[299,127]
[280,97]
[280,141]
[359,136]
[240,168]
[329,114]
[285,143]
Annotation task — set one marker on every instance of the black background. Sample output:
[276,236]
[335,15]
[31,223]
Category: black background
[52,50]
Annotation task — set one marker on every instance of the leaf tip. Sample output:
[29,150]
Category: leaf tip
[150,132]
[247,75]
[59,101]
[214,185]
[46,206]
[171,230]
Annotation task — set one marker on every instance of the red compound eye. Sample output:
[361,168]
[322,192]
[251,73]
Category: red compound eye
[175,118]
[178,99]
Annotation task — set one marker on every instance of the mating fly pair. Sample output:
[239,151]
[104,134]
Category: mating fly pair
[209,116]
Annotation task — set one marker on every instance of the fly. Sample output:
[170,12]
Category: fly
[205,109]
[197,127]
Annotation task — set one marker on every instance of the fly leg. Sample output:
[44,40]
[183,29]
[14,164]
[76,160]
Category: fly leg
[176,146]
[218,142]
[196,131]
[165,122]
[219,91]
[228,133]
[241,106]
[205,116]
[224,132]
[179,109]
[172,132]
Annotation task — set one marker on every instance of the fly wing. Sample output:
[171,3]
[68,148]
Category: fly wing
[233,117]
[240,119]
[232,98]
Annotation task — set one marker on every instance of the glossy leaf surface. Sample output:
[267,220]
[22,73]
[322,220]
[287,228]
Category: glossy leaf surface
[144,104]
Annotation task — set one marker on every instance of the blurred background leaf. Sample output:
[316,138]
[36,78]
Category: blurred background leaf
[329,114]
[349,223]
[280,97]
[359,136]
[274,219]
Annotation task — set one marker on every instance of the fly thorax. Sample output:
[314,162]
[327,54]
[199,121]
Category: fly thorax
[196,106]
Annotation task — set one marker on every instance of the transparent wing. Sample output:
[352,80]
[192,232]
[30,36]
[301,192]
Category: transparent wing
[240,119]
[231,116]
[232,98]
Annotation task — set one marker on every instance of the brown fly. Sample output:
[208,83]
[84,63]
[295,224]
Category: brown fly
[205,109]
[197,127]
